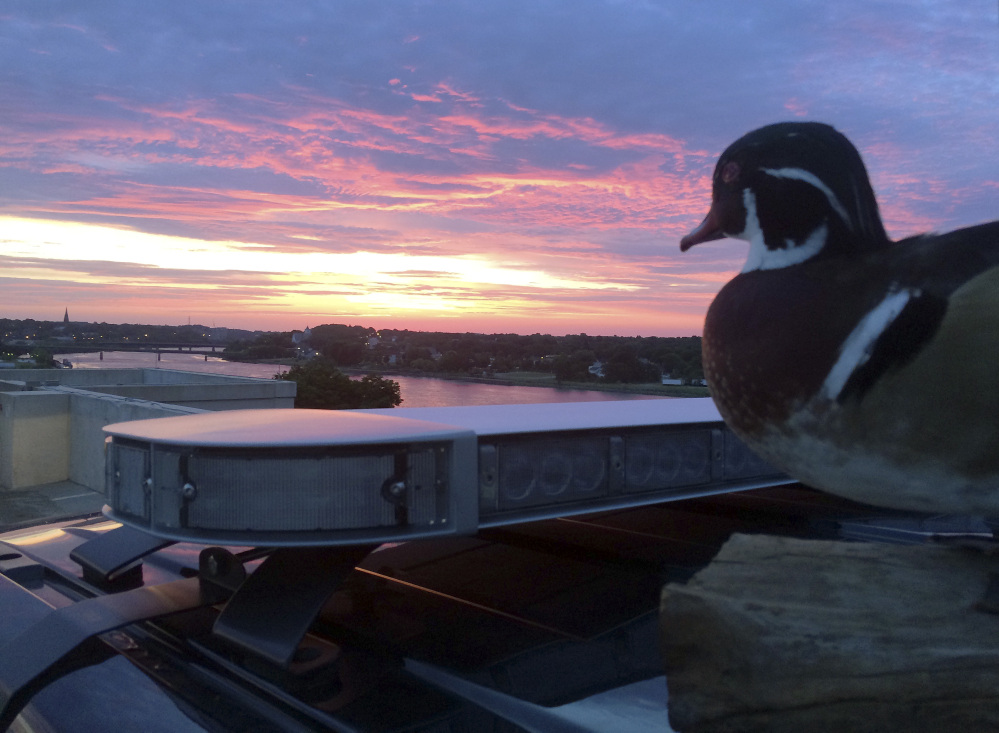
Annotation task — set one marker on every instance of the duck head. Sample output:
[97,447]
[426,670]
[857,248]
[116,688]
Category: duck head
[794,191]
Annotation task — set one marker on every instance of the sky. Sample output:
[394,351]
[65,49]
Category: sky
[521,166]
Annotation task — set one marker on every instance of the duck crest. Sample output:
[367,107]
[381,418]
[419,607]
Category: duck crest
[795,191]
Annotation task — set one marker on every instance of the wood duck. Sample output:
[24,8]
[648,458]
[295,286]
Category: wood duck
[862,366]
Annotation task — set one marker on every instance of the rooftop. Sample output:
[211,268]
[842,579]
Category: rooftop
[52,420]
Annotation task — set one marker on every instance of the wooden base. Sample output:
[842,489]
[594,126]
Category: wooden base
[780,634]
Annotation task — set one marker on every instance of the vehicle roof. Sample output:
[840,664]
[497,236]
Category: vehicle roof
[544,619]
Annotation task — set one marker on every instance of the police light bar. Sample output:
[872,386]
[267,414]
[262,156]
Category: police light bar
[316,477]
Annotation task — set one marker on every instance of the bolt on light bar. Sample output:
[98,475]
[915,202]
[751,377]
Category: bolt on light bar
[299,477]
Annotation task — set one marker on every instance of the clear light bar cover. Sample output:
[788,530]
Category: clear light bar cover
[519,475]
[297,477]
[291,477]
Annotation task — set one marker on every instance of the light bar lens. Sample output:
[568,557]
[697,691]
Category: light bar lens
[517,474]
[546,471]
[283,496]
[666,460]
[330,492]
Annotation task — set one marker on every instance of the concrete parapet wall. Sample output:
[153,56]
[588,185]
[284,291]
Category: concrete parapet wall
[57,434]
[89,413]
[176,376]
[81,377]
[34,438]
[259,394]
[109,377]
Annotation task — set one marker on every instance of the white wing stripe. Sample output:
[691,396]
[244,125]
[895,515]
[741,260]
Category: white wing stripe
[859,344]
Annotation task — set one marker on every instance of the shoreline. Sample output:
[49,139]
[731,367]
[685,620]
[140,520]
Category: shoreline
[522,379]
[544,380]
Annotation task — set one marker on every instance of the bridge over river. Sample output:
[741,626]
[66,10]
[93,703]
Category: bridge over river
[158,347]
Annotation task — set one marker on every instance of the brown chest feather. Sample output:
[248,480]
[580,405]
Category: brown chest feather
[770,340]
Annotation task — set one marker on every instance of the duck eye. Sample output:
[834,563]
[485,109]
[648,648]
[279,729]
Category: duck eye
[730,172]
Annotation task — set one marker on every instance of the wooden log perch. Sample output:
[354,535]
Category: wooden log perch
[780,634]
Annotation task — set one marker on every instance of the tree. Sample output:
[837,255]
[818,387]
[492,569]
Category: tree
[322,386]
[42,357]
[423,365]
[453,362]
[7,353]
[264,346]
[418,353]
[376,391]
[574,367]
[625,366]
[344,353]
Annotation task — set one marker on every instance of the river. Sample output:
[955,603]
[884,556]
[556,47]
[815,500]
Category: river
[415,391]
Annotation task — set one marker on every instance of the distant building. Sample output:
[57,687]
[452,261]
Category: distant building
[65,317]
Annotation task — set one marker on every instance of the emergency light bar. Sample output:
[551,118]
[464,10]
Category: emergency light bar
[317,477]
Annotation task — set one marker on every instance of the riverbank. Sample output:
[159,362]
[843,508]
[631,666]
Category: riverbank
[418,389]
[545,379]
[525,379]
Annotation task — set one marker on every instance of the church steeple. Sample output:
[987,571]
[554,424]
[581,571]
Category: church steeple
[65,318]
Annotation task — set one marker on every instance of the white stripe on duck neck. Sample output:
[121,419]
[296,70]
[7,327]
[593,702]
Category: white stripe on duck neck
[762,257]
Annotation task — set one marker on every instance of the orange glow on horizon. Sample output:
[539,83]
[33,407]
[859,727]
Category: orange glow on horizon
[131,273]
[444,210]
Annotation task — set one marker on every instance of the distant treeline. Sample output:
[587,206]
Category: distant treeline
[28,331]
[572,358]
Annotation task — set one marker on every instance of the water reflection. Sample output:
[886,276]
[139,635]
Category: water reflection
[416,391]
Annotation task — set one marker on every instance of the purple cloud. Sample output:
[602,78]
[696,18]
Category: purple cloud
[554,134]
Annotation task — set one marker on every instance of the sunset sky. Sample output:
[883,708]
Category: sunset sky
[523,166]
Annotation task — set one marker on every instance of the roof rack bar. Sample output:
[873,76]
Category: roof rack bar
[66,639]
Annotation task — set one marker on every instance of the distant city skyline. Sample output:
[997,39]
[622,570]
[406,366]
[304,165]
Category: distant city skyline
[525,167]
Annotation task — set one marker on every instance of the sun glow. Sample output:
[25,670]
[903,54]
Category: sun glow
[60,241]
[306,279]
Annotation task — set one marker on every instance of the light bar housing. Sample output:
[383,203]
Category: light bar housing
[316,477]
[552,460]
[291,477]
